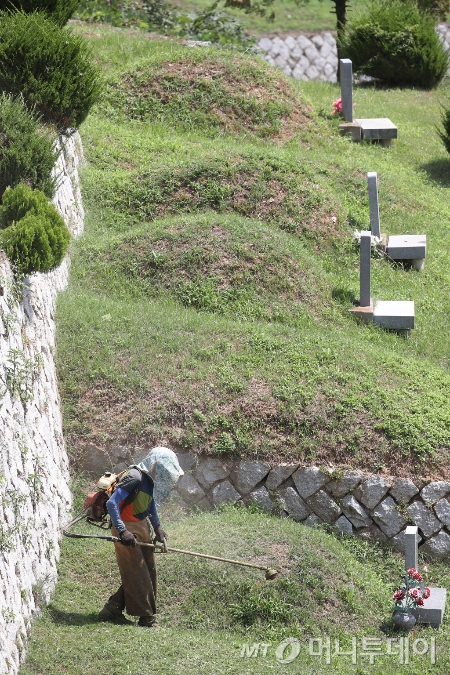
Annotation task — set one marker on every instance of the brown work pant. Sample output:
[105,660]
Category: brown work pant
[138,573]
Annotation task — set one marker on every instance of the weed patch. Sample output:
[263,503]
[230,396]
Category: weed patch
[234,95]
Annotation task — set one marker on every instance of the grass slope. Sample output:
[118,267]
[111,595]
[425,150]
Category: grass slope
[209,610]
[208,303]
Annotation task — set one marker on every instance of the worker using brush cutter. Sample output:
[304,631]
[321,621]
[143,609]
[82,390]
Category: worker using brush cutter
[134,499]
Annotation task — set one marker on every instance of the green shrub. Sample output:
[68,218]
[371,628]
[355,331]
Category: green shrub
[34,235]
[396,42]
[58,10]
[26,149]
[49,66]
[445,134]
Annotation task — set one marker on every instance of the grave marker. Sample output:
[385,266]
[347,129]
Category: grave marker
[364,268]
[432,611]
[346,76]
[372,184]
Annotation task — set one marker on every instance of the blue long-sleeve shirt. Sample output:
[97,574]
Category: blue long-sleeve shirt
[142,506]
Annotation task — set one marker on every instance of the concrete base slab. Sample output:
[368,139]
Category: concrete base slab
[365,314]
[378,129]
[394,314]
[351,129]
[433,609]
[407,246]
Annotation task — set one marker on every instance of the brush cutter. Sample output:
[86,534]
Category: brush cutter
[270,574]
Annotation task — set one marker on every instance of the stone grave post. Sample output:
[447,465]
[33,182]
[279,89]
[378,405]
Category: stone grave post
[432,611]
[364,268]
[346,75]
[411,545]
[372,184]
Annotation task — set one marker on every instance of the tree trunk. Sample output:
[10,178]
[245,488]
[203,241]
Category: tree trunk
[340,9]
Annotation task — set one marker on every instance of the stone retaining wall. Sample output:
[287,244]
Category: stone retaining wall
[35,498]
[313,57]
[353,503]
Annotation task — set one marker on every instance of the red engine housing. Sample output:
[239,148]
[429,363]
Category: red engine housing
[95,505]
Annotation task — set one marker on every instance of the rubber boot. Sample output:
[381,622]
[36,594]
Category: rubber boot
[146,621]
[113,609]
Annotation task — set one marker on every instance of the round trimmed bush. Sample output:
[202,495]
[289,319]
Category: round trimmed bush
[26,149]
[59,11]
[49,66]
[34,235]
[396,42]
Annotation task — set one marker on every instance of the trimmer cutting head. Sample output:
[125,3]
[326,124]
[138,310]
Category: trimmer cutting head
[271,574]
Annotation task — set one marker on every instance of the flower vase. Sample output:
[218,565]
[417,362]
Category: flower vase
[404,620]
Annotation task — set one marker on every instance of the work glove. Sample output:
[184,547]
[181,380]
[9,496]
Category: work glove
[128,538]
[162,537]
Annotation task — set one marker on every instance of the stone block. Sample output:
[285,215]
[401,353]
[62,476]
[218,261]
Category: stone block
[225,493]
[280,51]
[186,461]
[189,489]
[312,73]
[281,61]
[303,42]
[329,71]
[373,490]
[308,480]
[355,512]
[293,504]
[387,516]
[325,49]
[424,519]
[407,246]
[290,42]
[265,44]
[339,488]
[296,53]
[279,474]
[378,129]
[287,70]
[403,490]
[434,491]
[364,314]
[209,471]
[328,37]
[262,498]
[317,40]
[372,533]
[433,609]
[311,53]
[312,521]
[324,507]
[438,546]
[394,314]
[343,526]
[248,474]
[320,63]
[442,510]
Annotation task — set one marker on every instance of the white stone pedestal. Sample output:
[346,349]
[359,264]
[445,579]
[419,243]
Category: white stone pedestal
[411,247]
[394,314]
[433,609]
[378,129]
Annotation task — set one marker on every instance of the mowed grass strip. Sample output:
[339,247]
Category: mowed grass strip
[208,610]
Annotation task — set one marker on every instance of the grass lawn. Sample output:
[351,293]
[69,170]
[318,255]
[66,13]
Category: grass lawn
[208,310]
[327,587]
[208,302]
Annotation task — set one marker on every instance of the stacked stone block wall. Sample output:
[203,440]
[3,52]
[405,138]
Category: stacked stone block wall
[35,497]
[374,507]
[313,57]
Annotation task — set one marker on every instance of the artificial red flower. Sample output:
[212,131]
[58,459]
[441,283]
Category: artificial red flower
[426,592]
[399,595]
[420,602]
